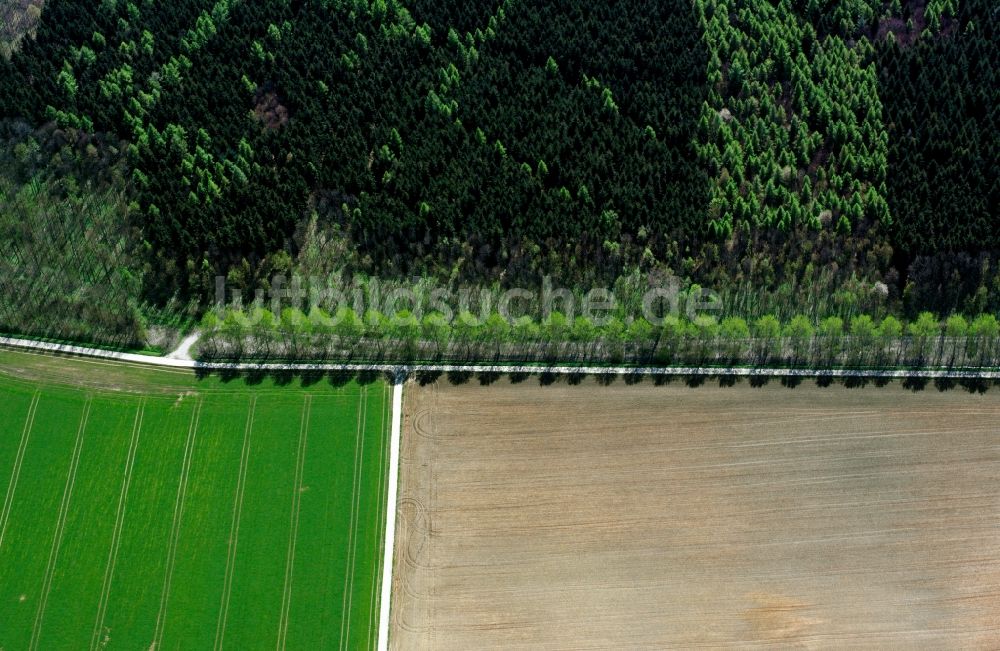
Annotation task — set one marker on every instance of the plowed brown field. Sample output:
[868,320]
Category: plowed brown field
[593,517]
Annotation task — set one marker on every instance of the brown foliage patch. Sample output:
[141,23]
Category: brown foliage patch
[269,110]
[897,25]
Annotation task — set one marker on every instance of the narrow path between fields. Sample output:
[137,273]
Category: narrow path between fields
[390,517]
[183,350]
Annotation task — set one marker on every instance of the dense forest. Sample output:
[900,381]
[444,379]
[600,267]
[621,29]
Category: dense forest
[822,157]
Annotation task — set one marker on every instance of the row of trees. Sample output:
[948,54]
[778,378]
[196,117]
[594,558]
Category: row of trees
[925,341]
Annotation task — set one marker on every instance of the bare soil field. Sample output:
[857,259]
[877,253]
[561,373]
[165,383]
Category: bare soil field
[593,517]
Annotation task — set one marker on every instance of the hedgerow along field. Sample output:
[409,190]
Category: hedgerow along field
[147,509]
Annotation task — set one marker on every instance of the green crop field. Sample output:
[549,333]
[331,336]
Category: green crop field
[150,509]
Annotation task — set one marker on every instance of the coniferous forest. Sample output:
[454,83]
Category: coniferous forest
[819,157]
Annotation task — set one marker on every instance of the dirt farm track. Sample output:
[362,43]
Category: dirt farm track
[593,517]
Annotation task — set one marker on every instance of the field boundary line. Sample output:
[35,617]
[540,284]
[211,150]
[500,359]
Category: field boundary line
[67,497]
[707,371]
[390,518]
[15,474]
[234,529]
[383,460]
[352,538]
[175,527]
[300,462]
[116,536]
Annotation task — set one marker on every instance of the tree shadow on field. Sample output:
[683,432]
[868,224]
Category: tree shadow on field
[339,378]
[607,379]
[457,378]
[547,378]
[367,377]
[486,378]
[915,383]
[881,382]
[791,381]
[857,382]
[758,381]
[694,381]
[574,379]
[663,380]
[227,375]
[975,385]
[518,378]
[424,378]
[944,384]
[824,381]
[311,377]
[254,376]
[282,377]
[633,378]
[727,381]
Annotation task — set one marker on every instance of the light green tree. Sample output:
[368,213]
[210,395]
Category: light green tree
[295,329]
[735,334]
[437,329]
[376,324]
[556,327]
[264,332]
[613,335]
[831,329]
[673,333]
[862,339]
[526,330]
[496,330]
[584,332]
[584,329]
[956,328]
[923,331]
[767,331]
[321,327]
[466,326]
[234,332]
[348,325]
[67,80]
[800,333]
[209,327]
[890,330]
[640,330]
[982,340]
[706,329]
[404,326]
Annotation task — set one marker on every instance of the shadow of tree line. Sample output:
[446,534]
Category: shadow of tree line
[544,377]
